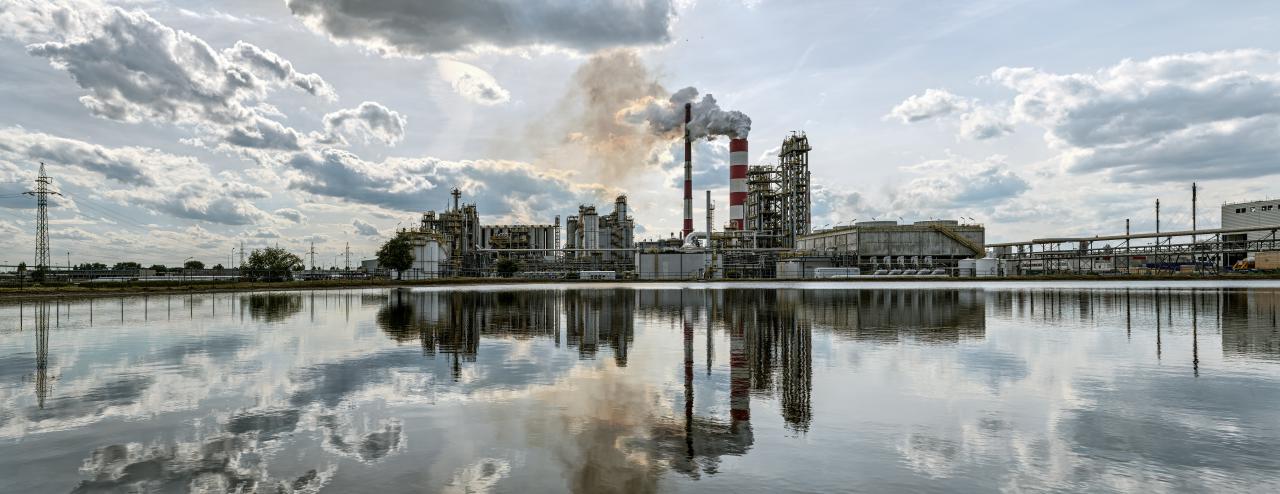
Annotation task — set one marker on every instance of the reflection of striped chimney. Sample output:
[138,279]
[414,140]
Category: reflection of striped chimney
[737,183]
[688,174]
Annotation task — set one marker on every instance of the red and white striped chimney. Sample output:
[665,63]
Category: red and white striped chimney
[737,183]
[688,174]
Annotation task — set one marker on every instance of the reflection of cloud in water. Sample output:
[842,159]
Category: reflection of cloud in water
[222,463]
[481,476]
[266,424]
[929,455]
[343,438]
[997,369]
[125,390]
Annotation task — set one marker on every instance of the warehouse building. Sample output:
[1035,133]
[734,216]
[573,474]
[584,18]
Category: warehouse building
[888,245]
[1252,214]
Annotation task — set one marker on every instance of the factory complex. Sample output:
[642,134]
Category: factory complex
[769,235]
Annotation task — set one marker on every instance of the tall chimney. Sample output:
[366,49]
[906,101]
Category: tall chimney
[688,174]
[737,183]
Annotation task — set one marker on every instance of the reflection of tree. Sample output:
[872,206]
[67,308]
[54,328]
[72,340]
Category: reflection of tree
[272,307]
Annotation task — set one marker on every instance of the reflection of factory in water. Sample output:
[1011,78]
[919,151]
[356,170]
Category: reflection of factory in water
[1249,324]
[452,323]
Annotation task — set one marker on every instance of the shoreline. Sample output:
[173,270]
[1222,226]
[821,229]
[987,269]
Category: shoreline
[78,291]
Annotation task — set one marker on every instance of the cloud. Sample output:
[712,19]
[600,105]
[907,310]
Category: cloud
[1164,118]
[136,69]
[956,182]
[291,214]
[1169,118]
[934,103]
[369,120]
[364,228]
[417,184]
[414,28]
[268,65]
[179,186]
[128,165]
[472,83]
[977,121]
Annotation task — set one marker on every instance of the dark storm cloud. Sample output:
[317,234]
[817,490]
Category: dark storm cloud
[410,27]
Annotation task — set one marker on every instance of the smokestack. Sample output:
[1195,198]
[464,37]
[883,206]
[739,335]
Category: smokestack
[688,173]
[737,183]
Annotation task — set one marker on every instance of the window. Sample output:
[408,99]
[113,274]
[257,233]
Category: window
[1253,209]
[1267,207]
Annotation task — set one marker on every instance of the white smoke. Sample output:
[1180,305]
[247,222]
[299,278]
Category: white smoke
[708,119]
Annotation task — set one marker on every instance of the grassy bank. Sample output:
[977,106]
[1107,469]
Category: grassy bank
[46,291]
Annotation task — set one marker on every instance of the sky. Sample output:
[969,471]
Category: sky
[181,129]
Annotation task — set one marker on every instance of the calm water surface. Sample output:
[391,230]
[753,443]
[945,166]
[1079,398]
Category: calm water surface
[742,388]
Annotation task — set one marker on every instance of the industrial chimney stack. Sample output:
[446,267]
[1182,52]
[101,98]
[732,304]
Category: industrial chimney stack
[737,183]
[688,174]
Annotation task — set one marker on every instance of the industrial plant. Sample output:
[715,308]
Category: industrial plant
[768,234]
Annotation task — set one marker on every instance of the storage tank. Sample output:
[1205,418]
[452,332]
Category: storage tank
[966,268]
[987,267]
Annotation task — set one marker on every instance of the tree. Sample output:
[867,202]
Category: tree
[91,266]
[22,267]
[193,264]
[397,253]
[507,267]
[218,267]
[126,266]
[159,268]
[273,262]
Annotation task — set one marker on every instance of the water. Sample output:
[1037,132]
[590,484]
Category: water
[743,388]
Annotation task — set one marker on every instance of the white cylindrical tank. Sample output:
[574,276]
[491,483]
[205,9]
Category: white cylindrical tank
[987,267]
[966,268]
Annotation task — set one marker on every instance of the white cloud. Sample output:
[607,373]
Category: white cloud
[291,214]
[179,186]
[955,182]
[472,83]
[364,228]
[136,69]
[1169,118]
[933,103]
[369,120]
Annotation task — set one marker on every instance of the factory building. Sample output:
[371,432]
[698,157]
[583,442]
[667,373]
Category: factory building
[1252,214]
[590,236]
[888,245]
[777,203]
[525,241]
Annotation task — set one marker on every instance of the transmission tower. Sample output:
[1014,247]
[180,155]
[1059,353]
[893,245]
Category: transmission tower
[348,255]
[42,194]
[313,256]
[242,253]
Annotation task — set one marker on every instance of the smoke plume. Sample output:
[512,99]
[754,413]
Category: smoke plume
[709,120]
[616,120]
